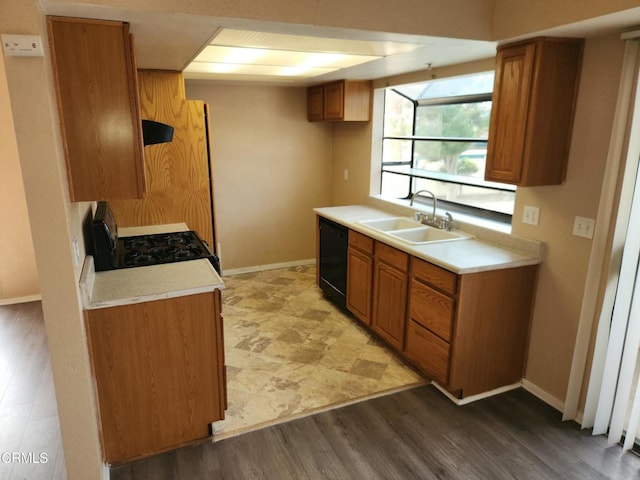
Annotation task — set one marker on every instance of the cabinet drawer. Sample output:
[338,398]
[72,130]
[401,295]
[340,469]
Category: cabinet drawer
[429,353]
[361,242]
[431,309]
[392,256]
[437,277]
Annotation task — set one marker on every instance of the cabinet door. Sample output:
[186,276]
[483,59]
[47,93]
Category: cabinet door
[94,71]
[158,372]
[359,277]
[334,101]
[315,103]
[389,304]
[510,106]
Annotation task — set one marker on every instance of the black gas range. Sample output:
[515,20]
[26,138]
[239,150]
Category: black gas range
[112,252]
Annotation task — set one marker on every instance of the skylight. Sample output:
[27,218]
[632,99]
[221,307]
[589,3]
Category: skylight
[475,84]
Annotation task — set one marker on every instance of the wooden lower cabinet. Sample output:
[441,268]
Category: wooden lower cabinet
[390,294]
[467,332]
[159,373]
[469,335]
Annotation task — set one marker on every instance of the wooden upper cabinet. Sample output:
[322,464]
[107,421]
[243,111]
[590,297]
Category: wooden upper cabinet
[534,96]
[315,103]
[334,101]
[344,100]
[95,75]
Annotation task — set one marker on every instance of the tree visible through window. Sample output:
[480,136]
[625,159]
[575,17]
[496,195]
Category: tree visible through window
[435,138]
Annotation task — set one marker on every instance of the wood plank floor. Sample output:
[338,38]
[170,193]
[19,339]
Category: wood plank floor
[414,434]
[417,433]
[29,427]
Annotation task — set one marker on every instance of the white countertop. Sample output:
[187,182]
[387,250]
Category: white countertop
[144,284]
[460,256]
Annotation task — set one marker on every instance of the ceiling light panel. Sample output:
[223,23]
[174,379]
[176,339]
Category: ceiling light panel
[279,41]
[262,70]
[262,56]
[243,54]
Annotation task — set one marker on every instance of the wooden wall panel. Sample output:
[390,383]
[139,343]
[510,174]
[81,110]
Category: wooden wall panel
[178,181]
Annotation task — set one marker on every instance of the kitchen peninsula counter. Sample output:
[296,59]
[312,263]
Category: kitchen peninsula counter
[481,253]
[127,286]
[156,344]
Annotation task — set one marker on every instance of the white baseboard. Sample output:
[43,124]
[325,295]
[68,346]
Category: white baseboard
[526,384]
[13,301]
[271,266]
[479,396]
[543,395]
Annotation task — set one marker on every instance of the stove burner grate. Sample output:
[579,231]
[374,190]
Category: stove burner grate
[161,248]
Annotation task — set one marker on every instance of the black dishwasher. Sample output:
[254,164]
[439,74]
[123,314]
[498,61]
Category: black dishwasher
[334,240]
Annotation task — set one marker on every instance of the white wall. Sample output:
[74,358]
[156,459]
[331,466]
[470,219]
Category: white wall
[563,273]
[18,275]
[55,221]
[270,167]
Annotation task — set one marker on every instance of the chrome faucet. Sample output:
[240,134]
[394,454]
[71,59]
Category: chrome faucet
[435,202]
[445,222]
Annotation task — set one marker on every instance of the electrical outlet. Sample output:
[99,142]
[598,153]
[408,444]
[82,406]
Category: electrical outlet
[530,215]
[583,227]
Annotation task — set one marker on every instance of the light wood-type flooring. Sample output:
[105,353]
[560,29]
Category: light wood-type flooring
[414,434]
[30,442]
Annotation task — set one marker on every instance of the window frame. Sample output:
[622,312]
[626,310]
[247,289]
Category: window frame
[414,174]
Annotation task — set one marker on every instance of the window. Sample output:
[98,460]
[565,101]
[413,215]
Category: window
[435,138]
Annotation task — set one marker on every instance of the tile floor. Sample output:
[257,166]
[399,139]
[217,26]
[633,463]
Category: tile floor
[289,352]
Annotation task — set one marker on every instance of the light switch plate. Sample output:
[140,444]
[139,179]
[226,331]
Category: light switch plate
[76,251]
[530,215]
[583,227]
[22,45]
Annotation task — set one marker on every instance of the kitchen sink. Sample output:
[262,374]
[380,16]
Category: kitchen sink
[412,231]
[428,235]
[389,224]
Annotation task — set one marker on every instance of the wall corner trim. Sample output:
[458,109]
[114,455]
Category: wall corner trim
[542,395]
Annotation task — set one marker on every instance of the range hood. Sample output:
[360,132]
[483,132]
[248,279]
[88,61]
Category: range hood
[156,132]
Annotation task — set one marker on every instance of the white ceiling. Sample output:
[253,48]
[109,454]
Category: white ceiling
[171,41]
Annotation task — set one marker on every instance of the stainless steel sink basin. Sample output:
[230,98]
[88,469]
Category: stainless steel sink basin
[412,231]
